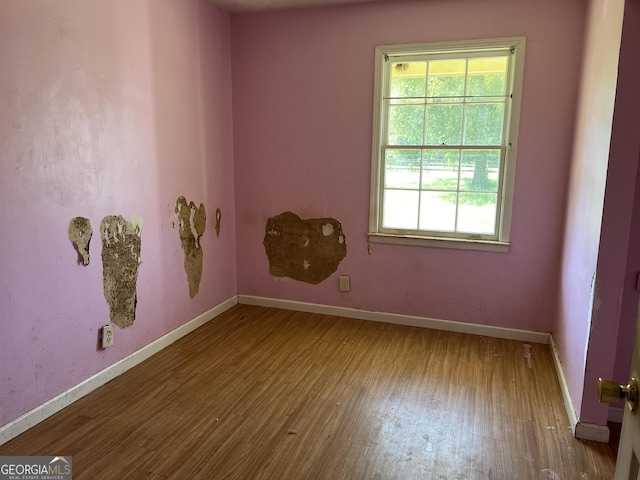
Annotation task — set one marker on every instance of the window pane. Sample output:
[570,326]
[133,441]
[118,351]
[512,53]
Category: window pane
[487,77]
[406,124]
[444,124]
[480,170]
[408,79]
[446,79]
[440,169]
[402,169]
[477,213]
[438,211]
[483,124]
[400,209]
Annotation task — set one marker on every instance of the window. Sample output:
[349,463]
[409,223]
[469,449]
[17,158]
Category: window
[444,142]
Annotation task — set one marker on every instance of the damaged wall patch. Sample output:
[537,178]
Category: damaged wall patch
[305,250]
[120,261]
[192,222]
[218,218]
[80,231]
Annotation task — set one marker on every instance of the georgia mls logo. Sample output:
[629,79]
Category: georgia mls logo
[64,463]
[35,468]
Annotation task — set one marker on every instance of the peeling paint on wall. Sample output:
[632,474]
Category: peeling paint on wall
[305,250]
[80,232]
[120,262]
[218,218]
[192,222]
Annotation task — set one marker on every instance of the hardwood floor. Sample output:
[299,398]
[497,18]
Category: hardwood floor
[261,393]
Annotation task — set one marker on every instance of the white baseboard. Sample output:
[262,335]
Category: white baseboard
[581,430]
[41,412]
[449,326]
[590,431]
[564,388]
[615,414]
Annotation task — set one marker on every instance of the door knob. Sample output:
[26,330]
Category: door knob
[611,392]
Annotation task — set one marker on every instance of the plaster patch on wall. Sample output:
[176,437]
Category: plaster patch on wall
[80,232]
[120,261]
[192,222]
[304,250]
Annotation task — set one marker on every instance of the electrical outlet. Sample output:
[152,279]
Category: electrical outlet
[344,283]
[107,336]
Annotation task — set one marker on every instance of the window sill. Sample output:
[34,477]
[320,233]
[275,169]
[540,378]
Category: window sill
[461,244]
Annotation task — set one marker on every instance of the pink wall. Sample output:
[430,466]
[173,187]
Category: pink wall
[626,121]
[630,72]
[616,220]
[580,283]
[302,103]
[113,107]
[631,296]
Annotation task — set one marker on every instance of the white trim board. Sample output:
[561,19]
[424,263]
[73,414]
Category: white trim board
[581,430]
[414,321]
[64,399]
[591,431]
[615,414]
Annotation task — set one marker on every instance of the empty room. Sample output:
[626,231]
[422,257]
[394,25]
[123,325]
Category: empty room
[319,239]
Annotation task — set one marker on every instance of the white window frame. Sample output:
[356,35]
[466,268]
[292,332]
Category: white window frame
[386,53]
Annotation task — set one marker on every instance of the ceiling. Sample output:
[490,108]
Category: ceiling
[239,6]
